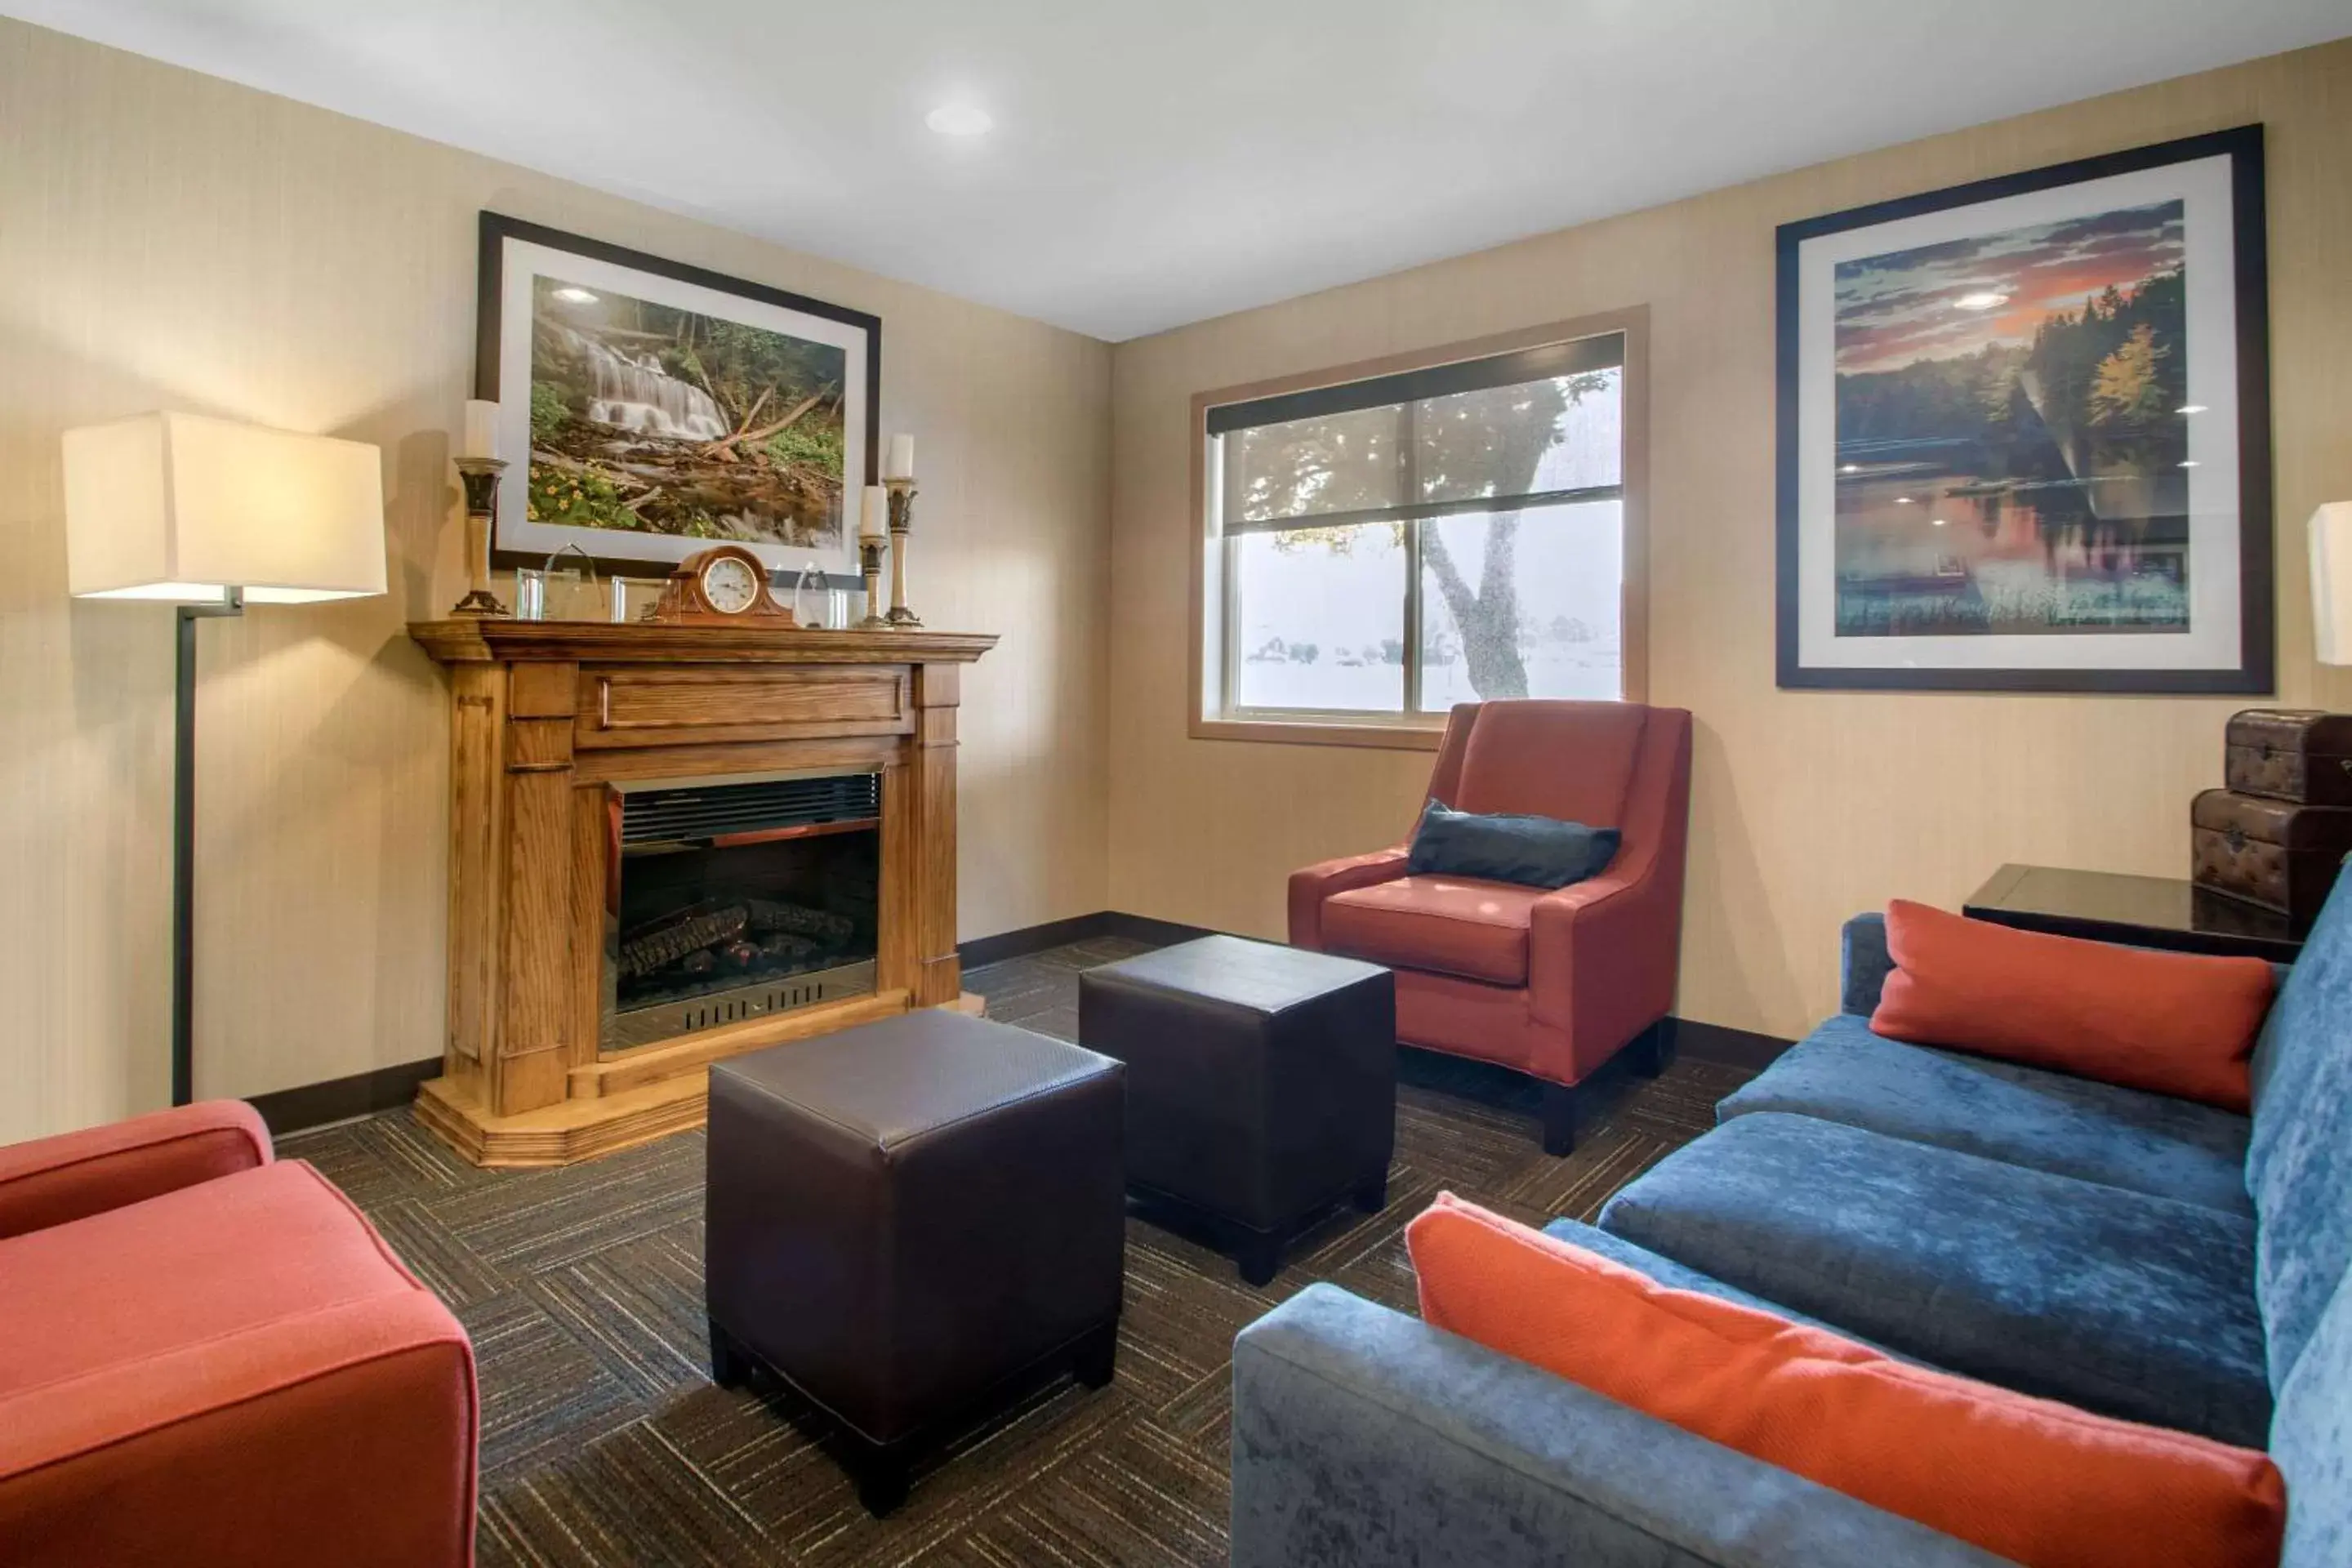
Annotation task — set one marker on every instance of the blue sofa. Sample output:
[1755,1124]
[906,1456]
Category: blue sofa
[2147,1258]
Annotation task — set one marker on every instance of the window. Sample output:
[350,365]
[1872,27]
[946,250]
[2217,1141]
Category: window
[1382,549]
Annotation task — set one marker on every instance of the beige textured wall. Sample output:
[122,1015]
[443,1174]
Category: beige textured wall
[1808,806]
[170,240]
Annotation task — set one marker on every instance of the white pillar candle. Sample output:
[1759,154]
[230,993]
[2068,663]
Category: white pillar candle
[481,430]
[901,462]
[877,513]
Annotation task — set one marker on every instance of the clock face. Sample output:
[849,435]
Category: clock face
[729,585]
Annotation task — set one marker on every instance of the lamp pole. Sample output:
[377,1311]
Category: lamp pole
[183,843]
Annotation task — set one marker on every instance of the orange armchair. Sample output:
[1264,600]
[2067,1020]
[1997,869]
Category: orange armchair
[207,1357]
[1552,983]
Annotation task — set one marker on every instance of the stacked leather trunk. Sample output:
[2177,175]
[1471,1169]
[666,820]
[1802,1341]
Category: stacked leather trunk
[2277,836]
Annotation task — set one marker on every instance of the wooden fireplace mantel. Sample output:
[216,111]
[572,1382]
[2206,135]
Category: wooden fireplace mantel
[483,640]
[546,716]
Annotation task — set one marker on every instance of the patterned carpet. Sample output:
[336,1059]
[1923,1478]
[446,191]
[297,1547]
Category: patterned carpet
[603,1443]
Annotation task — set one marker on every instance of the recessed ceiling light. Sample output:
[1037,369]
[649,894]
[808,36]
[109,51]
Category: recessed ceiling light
[572,294]
[1937,521]
[2190,463]
[1982,301]
[1905,500]
[2191,408]
[959,120]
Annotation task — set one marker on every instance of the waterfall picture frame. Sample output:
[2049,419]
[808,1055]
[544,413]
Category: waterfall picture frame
[649,409]
[2024,432]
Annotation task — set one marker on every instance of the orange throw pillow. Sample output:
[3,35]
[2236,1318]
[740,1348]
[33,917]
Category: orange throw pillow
[2175,1023]
[2035,1481]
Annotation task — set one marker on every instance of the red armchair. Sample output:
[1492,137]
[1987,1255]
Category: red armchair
[1550,982]
[208,1358]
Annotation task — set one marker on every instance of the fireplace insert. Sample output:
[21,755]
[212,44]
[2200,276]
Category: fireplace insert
[737,898]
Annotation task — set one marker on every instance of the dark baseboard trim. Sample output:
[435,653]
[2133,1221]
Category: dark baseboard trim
[1143,928]
[1722,1043]
[1077,927]
[386,1088]
[1701,1042]
[340,1099]
[1005,944]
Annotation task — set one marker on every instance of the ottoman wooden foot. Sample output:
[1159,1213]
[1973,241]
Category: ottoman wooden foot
[1259,1255]
[1647,1054]
[1095,1359]
[730,1365]
[882,1481]
[1558,1118]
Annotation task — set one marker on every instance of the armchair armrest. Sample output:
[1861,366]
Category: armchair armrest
[54,1181]
[1310,885]
[1603,956]
[1362,1435]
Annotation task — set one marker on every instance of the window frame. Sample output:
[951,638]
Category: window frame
[1215,632]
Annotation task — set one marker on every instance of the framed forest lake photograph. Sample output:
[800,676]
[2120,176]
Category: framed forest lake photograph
[2024,432]
[663,409]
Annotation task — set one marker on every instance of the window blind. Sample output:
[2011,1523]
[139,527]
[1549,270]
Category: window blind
[1532,429]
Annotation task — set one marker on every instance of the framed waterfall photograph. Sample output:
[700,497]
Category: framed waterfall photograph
[649,409]
[2024,432]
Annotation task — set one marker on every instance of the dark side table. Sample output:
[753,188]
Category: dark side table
[2147,912]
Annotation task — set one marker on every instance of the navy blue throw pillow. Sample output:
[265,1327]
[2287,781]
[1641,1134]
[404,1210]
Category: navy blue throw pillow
[1533,851]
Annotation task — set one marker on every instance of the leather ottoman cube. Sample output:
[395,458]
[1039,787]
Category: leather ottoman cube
[912,1222]
[1261,1083]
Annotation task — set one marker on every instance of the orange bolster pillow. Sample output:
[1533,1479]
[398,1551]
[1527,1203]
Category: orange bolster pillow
[2030,1479]
[2175,1022]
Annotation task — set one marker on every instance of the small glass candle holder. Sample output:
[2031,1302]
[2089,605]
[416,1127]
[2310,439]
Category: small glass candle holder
[530,594]
[625,590]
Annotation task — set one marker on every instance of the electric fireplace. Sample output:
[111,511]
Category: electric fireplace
[734,898]
[671,845]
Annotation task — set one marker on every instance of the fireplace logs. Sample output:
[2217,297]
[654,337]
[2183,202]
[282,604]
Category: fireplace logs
[699,940]
[671,940]
[768,915]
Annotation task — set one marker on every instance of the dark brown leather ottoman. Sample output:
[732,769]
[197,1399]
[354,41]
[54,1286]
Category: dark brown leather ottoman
[1260,1084]
[912,1222]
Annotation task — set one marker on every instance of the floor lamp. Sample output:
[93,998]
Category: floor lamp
[211,515]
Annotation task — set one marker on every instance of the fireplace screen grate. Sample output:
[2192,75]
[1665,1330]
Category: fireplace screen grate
[671,815]
[737,898]
[651,1025]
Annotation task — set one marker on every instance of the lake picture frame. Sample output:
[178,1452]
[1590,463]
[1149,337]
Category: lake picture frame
[2023,432]
[649,409]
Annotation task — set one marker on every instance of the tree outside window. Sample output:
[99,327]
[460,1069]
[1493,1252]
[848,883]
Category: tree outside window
[1394,553]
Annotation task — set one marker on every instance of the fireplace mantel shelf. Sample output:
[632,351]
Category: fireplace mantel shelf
[491,640]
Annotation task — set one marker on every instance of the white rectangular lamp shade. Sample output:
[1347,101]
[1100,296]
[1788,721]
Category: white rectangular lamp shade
[179,508]
[2331,580]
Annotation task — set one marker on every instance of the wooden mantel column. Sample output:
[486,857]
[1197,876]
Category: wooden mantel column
[936,696]
[548,720]
[533,1055]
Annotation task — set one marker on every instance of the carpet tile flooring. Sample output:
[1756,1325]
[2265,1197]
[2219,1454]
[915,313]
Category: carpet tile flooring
[604,1443]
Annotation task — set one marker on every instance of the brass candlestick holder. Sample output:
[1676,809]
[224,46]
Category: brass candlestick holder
[481,477]
[869,561]
[902,525]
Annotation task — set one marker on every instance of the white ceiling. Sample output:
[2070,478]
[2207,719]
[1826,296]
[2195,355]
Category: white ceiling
[1156,162]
